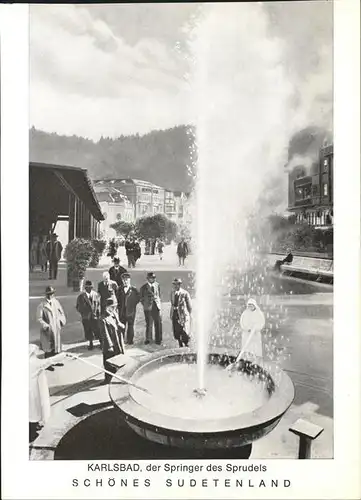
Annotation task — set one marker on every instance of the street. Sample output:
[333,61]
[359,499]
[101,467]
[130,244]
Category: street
[304,339]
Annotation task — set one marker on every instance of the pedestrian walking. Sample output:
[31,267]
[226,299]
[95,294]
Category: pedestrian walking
[180,313]
[51,317]
[182,251]
[112,249]
[107,289]
[151,300]
[111,332]
[128,298]
[39,398]
[54,250]
[252,322]
[43,256]
[130,251]
[34,253]
[137,251]
[160,247]
[88,306]
[116,271]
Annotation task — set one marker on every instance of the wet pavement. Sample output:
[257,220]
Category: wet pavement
[299,337]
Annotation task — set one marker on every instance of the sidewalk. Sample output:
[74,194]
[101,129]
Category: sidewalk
[77,394]
[78,399]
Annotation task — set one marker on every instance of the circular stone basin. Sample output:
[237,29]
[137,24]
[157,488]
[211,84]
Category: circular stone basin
[237,407]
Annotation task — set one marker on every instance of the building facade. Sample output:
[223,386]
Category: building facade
[146,198]
[115,206]
[176,206]
[310,190]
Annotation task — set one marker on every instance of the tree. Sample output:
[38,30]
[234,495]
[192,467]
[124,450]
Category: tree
[122,227]
[156,226]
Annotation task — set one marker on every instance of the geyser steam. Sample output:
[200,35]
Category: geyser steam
[240,95]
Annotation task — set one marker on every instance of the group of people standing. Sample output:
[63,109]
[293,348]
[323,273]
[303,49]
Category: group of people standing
[109,315]
[46,252]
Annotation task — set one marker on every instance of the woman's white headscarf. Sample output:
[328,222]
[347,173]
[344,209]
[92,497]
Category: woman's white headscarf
[252,320]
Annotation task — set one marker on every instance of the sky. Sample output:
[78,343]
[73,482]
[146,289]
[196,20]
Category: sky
[111,70]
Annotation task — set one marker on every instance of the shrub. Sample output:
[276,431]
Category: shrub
[78,255]
[98,249]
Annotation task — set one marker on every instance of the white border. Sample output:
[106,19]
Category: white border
[22,479]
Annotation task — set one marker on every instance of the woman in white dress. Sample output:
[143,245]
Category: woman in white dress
[39,399]
[252,323]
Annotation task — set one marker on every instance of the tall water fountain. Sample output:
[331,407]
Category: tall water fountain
[241,95]
[240,100]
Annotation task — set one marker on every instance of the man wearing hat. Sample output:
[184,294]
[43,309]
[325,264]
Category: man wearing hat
[151,301]
[180,313]
[128,298]
[116,271]
[88,305]
[53,250]
[106,289]
[51,317]
[111,331]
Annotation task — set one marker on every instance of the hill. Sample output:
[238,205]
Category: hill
[160,157]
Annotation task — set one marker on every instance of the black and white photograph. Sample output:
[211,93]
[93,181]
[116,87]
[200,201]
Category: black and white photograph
[181,231]
[180,241]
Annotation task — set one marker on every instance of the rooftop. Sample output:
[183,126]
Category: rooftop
[76,180]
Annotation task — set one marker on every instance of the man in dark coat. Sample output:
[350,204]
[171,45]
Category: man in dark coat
[88,305]
[107,289]
[111,331]
[130,251]
[128,298]
[151,301]
[182,251]
[116,271]
[287,260]
[137,251]
[53,250]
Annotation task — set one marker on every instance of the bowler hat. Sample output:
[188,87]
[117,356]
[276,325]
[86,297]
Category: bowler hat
[116,259]
[49,290]
[151,275]
[177,281]
[125,275]
[88,283]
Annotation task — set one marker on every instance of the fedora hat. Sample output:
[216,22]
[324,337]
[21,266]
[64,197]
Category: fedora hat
[49,290]
[151,275]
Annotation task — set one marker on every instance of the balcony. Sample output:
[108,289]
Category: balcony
[306,202]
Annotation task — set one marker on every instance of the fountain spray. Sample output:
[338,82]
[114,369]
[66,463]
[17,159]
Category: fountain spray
[241,95]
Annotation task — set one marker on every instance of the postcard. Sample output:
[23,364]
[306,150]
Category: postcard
[172,175]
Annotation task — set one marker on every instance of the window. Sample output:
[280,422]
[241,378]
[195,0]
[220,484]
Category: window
[146,190]
[155,191]
[303,192]
[325,189]
[325,165]
[315,190]
[300,172]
